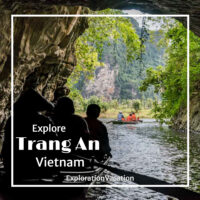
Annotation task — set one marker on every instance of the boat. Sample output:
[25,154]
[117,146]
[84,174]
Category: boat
[125,122]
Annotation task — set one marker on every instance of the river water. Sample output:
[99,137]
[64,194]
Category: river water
[152,150]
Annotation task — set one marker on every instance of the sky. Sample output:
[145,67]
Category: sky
[151,26]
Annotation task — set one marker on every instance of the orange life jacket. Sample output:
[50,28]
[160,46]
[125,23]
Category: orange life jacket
[133,117]
[129,118]
[123,119]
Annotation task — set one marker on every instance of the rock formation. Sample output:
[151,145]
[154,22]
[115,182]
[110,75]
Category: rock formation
[103,84]
[190,7]
[180,120]
[43,52]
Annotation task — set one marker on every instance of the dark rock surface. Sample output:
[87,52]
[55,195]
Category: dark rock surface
[191,7]
[43,52]
[180,121]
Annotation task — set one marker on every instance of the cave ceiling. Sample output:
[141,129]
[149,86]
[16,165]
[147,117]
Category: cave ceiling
[191,7]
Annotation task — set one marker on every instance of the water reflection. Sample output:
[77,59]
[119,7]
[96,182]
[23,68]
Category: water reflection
[151,150]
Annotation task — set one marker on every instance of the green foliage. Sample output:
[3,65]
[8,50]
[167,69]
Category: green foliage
[102,31]
[77,98]
[113,103]
[149,103]
[155,77]
[117,52]
[171,80]
[116,41]
[194,64]
[158,111]
[95,100]
[81,104]
[136,105]
[129,74]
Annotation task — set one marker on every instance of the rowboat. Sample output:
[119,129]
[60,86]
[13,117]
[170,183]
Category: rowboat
[125,122]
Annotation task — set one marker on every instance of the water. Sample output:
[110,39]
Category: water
[151,150]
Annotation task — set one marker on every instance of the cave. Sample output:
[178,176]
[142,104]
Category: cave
[45,58]
[44,51]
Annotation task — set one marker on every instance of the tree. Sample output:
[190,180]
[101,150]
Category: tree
[136,105]
[171,80]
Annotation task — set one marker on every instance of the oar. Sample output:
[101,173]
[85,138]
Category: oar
[178,192]
[181,193]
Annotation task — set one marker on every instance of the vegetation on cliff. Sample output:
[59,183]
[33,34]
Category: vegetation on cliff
[171,80]
[162,71]
[89,47]
[128,75]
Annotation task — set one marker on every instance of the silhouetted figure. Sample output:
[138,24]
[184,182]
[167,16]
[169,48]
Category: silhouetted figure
[60,92]
[98,130]
[26,113]
[76,126]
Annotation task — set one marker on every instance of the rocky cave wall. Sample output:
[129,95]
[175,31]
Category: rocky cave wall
[191,7]
[44,54]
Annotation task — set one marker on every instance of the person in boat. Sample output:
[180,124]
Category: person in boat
[129,118]
[98,130]
[26,113]
[64,116]
[133,116]
[120,116]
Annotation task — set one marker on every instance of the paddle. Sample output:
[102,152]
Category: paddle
[140,179]
[178,192]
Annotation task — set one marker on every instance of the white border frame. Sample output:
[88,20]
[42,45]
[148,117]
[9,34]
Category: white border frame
[12,100]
